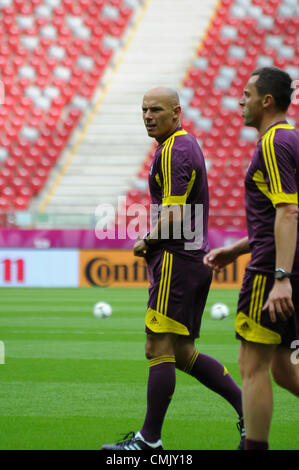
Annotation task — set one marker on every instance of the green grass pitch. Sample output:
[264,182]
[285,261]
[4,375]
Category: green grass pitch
[71,381]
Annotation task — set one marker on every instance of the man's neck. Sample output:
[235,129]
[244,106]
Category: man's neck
[169,134]
[270,121]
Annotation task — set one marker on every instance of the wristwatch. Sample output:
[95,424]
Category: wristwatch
[145,239]
[281,273]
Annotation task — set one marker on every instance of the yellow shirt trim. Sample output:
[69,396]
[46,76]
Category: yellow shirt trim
[278,126]
[181,132]
[166,161]
[275,198]
[284,198]
[157,178]
[270,157]
[181,200]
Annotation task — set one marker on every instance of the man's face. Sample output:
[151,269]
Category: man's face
[160,116]
[252,104]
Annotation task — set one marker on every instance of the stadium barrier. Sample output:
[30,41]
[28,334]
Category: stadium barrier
[89,268]
[120,268]
[75,258]
[39,268]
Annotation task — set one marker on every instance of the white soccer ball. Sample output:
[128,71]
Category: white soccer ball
[102,310]
[219,311]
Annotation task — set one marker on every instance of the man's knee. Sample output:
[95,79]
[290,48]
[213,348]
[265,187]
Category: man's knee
[284,372]
[254,358]
[159,344]
[184,350]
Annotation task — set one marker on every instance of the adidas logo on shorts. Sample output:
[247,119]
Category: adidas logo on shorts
[154,320]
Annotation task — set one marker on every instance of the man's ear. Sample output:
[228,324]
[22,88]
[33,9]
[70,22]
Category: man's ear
[268,101]
[177,111]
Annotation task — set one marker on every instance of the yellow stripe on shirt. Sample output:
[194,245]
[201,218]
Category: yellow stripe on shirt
[166,166]
[269,164]
[270,157]
[166,161]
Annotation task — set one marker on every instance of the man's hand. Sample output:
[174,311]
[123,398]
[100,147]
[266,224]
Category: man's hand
[279,302]
[218,258]
[140,248]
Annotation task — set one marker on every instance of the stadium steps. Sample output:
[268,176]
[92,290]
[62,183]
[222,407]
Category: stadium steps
[116,143]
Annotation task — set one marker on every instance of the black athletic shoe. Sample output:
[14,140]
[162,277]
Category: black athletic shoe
[241,429]
[133,441]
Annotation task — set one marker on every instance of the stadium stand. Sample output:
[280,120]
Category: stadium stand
[52,56]
[112,145]
[242,36]
[55,56]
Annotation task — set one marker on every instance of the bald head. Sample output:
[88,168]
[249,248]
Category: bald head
[161,112]
[167,94]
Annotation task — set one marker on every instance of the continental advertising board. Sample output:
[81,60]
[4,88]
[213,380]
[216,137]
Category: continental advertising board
[90,268]
[120,268]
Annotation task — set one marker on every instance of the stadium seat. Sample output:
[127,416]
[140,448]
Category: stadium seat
[5,204]
[20,203]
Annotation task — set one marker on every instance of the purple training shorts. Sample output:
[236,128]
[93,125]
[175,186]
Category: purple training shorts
[177,294]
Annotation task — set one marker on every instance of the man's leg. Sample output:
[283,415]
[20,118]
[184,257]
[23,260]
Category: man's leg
[160,388]
[208,371]
[285,371]
[161,382]
[254,361]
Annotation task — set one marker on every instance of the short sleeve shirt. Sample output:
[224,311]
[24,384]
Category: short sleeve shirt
[178,177]
[272,178]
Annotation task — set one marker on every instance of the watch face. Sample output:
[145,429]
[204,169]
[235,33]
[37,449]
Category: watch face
[281,274]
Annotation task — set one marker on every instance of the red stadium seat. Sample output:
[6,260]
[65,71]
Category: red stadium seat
[20,203]
[8,192]
[17,183]
[28,164]
[5,204]
[11,164]
[6,173]
[2,183]
[36,184]
[26,192]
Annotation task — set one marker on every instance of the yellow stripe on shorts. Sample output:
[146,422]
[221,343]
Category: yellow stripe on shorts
[257,296]
[164,288]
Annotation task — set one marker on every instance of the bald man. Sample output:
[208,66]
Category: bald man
[179,281]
